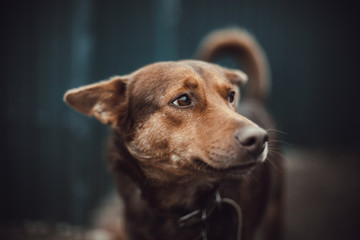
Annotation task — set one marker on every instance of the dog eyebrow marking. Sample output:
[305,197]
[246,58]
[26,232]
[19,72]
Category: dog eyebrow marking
[190,83]
[223,89]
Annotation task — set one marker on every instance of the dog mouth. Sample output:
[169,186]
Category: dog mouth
[234,169]
[238,169]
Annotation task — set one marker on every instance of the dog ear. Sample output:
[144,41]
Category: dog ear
[105,100]
[236,76]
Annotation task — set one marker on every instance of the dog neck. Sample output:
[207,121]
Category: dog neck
[173,195]
[180,199]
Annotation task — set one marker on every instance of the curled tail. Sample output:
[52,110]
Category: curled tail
[242,46]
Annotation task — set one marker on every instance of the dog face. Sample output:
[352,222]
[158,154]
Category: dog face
[178,118]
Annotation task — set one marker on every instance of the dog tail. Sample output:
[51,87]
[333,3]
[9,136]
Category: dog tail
[243,47]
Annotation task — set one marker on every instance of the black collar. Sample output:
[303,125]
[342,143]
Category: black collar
[201,216]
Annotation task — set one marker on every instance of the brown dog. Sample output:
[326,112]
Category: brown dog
[185,162]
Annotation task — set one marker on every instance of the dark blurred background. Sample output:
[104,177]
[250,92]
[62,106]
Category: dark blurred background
[52,166]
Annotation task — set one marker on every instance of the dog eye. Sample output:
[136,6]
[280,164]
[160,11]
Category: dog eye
[231,97]
[182,101]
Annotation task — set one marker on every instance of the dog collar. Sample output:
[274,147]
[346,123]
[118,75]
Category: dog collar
[201,216]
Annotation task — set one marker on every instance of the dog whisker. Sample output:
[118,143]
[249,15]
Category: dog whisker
[271,151]
[273,164]
[275,130]
[280,141]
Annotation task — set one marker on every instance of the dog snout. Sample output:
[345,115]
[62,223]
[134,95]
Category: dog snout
[252,139]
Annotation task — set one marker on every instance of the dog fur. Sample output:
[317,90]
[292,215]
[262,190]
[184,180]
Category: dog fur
[175,142]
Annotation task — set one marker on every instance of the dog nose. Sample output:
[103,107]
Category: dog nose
[253,139]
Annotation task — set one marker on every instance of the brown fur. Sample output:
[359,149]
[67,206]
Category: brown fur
[169,160]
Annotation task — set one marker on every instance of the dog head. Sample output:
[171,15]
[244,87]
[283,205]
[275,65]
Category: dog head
[178,118]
